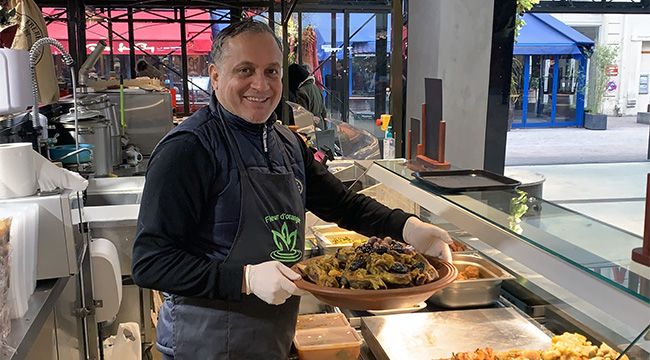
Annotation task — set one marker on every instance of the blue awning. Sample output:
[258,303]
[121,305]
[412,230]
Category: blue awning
[545,35]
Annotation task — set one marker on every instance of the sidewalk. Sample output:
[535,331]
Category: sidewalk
[623,141]
[601,174]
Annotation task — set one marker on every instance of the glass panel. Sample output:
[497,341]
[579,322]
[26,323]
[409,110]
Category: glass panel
[516,95]
[368,70]
[566,91]
[594,246]
[318,54]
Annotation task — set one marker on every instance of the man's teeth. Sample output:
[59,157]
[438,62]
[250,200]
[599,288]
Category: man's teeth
[255,99]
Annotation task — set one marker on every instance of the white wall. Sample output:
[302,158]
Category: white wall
[451,40]
[627,32]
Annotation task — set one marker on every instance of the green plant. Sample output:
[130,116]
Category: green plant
[517,66]
[603,56]
[522,7]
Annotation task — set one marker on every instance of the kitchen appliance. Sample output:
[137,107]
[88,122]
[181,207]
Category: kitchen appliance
[97,133]
[102,104]
[148,116]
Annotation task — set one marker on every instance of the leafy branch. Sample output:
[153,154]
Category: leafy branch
[603,56]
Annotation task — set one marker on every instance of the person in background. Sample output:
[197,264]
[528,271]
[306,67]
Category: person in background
[222,215]
[144,69]
[304,92]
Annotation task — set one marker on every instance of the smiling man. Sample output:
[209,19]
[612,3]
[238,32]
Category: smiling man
[223,208]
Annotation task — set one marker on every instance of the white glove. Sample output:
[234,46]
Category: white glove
[50,176]
[427,239]
[272,282]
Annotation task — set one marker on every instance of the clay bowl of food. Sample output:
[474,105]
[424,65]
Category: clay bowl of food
[381,274]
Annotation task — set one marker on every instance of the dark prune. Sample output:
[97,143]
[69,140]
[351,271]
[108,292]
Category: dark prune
[358,264]
[365,248]
[397,246]
[344,282]
[399,268]
[373,240]
[381,249]
[418,265]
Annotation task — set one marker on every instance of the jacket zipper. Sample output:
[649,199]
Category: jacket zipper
[266,148]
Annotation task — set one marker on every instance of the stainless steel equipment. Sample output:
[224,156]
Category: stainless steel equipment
[102,104]
[57,245]
[148,117]
[471,293]
[436,335]
[97,133]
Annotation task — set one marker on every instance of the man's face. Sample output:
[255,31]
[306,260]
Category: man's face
[248,79]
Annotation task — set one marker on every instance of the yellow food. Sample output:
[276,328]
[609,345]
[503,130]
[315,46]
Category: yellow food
[469,273]
[564,347]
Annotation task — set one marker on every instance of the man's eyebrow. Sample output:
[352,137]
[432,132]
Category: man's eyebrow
[245,63]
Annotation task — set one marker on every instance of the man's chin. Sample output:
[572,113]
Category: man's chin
[257,118]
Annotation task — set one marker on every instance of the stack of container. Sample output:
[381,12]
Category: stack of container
[326,336]
[5,319]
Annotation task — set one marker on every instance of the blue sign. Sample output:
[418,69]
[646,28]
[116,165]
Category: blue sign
[611,86]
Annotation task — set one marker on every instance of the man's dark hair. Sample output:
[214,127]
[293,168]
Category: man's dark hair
[235,29]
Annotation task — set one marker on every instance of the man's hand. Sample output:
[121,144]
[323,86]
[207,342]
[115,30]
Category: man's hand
[272,282]
[427,239]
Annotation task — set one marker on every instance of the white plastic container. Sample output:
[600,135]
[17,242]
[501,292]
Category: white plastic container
[15,81]
[341,343]
[23,255]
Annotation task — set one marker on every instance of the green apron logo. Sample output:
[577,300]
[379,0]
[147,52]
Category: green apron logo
[285,241]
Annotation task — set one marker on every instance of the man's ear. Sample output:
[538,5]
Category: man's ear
[214,76]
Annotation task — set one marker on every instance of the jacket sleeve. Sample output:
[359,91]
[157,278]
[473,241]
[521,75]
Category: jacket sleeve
[177,187]
[331,201]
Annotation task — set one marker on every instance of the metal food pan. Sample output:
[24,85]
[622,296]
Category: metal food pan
[324,235]
[472,293]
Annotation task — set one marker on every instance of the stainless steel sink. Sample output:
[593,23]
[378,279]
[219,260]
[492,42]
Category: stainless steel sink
[111,209]
[114,191]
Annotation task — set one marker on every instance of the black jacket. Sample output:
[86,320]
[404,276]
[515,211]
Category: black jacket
[189,181]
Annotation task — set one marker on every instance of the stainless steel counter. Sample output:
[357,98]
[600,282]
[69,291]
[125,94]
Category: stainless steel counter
[24,331]
[435,335]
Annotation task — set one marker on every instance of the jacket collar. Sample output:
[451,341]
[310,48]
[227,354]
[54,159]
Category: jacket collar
[235,121]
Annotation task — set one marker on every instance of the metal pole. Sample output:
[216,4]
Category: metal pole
[131,43]
[272,14]
[346,65]
[81,32]
[396,68]
[299,55]
[110,44]
[186,90]
[381,64]
[335,92]
[285,59]
[72,31]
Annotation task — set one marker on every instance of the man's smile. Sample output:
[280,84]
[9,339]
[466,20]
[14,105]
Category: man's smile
[256,99]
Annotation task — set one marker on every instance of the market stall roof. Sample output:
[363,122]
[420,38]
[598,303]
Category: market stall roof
[545,35]
[156,38]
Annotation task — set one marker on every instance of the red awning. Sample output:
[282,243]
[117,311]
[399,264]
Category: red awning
[155,38]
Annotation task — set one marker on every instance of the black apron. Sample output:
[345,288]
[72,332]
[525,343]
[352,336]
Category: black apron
[271,227]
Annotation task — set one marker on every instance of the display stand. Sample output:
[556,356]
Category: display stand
[642,254]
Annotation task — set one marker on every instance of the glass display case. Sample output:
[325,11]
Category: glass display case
[572,272]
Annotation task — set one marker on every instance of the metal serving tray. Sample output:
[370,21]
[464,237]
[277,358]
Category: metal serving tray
[436,335]
[472,293]
[465,180]
[325,233]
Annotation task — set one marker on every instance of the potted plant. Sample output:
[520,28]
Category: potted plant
[603,56]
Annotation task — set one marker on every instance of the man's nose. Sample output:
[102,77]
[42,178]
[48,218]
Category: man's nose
[260,82]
